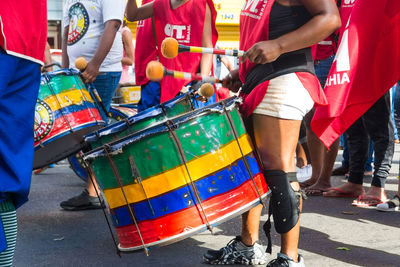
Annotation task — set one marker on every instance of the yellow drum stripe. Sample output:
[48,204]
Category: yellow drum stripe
[68,98]
[170,180]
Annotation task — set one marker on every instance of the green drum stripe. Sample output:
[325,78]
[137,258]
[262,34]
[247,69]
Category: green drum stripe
[159,154]
[179,108]
[237,121]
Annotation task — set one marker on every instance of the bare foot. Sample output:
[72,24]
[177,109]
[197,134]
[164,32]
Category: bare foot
[375,195]
[308,183]
[346,190]
[318,188]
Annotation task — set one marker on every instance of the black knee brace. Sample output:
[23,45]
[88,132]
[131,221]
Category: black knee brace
[284,204]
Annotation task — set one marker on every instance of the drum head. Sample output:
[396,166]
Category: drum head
[61,147]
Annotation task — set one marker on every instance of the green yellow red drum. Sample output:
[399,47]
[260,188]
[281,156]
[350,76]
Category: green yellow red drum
[174,179]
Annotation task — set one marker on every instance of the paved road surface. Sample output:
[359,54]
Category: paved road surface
[49,236]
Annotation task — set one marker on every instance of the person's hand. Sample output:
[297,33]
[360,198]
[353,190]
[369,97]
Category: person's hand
[91,72]
[263,52]
[232,81]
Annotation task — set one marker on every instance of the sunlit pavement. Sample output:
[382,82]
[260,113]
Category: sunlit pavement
[333,232]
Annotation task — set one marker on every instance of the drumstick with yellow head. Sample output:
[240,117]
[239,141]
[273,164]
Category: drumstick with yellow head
[170,49]
[155,71]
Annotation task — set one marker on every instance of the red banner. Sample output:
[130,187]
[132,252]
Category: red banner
[366,66]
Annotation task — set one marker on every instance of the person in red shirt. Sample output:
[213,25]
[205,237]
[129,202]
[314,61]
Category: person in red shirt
[278,88]
[21,57]
[190,22]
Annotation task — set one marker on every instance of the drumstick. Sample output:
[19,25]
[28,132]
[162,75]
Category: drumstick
[170,49]
[155,71]
[81,64]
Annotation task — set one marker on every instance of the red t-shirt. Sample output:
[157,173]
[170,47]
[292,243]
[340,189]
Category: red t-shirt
[185,24]
[145,50]
[23,28]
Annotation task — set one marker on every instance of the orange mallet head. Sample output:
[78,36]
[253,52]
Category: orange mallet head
[80,63]
[169,47]
[154,71]
[206,90]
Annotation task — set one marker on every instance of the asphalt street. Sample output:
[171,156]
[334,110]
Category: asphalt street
[333,233]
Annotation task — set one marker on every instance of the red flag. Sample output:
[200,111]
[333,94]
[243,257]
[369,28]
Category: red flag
[366,66]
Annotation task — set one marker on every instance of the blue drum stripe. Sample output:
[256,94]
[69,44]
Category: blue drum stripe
[213,185]
[73,108]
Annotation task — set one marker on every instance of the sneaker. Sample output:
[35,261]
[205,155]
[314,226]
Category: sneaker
[82,202]
[391,205]
[304,173]
[235,252]
[284,261]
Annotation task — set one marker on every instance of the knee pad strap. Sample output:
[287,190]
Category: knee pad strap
[284,203]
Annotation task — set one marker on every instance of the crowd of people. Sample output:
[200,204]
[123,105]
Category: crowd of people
[290,46]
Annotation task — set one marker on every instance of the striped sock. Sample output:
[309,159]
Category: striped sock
[9,220]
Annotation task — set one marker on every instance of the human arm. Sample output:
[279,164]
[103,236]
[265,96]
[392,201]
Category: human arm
[325,19]
[128,48]
[207,59]
[227,63]
[133,13]
[232,81]
[106,41]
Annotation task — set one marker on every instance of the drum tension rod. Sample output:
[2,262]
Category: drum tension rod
[91,175]
[245,162]
[117,176]
[171,126]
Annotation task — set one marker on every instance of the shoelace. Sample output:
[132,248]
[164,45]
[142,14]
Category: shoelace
[278,262]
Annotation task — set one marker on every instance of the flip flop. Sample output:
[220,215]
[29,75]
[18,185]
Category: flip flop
[336,192]
[371,201]
[315,192]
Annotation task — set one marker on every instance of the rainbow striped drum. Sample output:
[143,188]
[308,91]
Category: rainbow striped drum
[179,177]
[64,113]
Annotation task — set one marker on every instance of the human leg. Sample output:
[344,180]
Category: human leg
[323,161]
[277,147]
[106,83]
[8,228]
[380,128]
[19,83]
[357,140]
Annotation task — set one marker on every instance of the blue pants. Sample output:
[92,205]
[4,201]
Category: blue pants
[19,87]
[106,83]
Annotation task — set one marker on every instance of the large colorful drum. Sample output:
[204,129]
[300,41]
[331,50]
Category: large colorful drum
[177,178]
[64,113]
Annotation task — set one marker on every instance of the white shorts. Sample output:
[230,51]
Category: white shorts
[286,98]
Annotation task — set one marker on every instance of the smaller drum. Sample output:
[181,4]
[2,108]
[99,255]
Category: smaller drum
[128,94]
[179,177]
[64,113]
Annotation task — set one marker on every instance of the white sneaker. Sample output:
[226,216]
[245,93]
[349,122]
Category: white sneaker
[235,252]
[284,261]
[392,205]
[304,173]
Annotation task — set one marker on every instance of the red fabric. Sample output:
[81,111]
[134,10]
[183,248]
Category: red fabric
[145,50]
[254,26]
[23,28]
[185,24]
[373,66]
[324,50]
[223,93]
